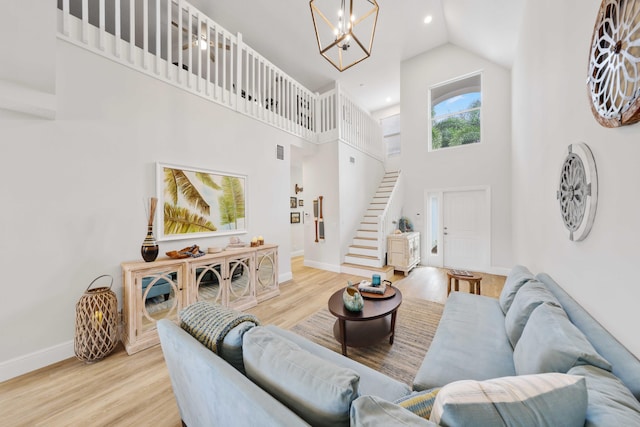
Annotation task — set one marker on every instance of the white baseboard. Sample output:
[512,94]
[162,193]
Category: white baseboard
[499,271]
[36,360]
[297,253]
[285,277]
[323,266]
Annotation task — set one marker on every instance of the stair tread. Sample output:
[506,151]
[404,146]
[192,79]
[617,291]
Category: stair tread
[386,268]
[363,247]
[365,238]
[363,256]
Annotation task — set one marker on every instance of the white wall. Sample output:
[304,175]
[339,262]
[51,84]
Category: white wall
[347,189]
[366,172]
[27,63]
[28,29]
[320,173]
[484,164]
[550,111]
[392,163]
[73,188]
[297,230]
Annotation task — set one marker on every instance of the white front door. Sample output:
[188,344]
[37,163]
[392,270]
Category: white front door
[466,230]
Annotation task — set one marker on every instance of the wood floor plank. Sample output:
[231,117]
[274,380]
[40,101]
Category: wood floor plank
[124,390]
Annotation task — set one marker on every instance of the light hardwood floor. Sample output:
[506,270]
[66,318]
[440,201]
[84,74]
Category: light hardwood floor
[135,390]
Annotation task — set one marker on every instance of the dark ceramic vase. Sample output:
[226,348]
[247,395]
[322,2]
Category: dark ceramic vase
[149,248]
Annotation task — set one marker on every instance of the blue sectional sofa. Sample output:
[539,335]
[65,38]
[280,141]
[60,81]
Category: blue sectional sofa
[531,357]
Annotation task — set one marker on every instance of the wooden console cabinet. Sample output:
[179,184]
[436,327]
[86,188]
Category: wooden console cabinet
[237,278]
[403,251]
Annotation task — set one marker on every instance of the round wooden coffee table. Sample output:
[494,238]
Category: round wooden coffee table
[375,322]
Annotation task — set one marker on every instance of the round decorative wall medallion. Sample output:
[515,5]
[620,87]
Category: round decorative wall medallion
[614,64]
[578,191]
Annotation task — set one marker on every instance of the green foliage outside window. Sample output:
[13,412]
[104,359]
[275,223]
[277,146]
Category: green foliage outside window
[456,129]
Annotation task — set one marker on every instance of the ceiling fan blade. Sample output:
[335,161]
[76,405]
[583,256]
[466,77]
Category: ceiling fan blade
[194,35]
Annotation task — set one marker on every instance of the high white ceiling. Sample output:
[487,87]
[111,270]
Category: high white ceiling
[282,31]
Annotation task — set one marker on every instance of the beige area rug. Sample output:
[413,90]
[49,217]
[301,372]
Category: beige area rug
[416,324]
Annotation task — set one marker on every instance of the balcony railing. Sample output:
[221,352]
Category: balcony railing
[173,41]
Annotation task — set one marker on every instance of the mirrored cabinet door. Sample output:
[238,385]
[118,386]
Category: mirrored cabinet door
[208,281]
[160,297]
[267,274]
[240,286]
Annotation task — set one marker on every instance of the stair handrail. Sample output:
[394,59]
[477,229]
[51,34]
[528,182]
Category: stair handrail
[385,219]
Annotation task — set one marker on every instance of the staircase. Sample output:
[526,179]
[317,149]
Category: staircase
[367,252]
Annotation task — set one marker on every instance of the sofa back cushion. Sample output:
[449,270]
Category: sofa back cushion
[530,296]
[610,401]
[318,391]
[528,400]
[625,365]
[518,276]
[551,343]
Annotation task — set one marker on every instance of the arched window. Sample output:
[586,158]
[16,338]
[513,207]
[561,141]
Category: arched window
[456,112]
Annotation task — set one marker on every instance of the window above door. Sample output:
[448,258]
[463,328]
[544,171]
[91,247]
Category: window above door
[455,109]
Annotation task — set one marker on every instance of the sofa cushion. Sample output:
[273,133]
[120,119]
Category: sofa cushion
[208,322]
[551,343]
[470,343]
[611,403]
[419,402]
[530,295]
[318,391]
[518,276]
[528,400]
[372,382]
[373,411]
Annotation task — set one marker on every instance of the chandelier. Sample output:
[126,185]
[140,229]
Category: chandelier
[344,30]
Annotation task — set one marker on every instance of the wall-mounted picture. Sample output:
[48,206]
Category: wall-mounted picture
[194,202]
[295,217]
[293,202]
[301,203]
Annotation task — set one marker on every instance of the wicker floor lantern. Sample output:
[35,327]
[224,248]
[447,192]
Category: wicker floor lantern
[96,323]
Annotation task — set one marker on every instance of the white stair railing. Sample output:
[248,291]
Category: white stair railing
[391,212]
[173,41]
[341,118]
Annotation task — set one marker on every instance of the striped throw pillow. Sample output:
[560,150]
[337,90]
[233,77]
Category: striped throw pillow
[551,399]
[420,403]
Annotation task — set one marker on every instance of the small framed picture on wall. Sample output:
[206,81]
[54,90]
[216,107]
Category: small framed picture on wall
[301,203]
[293,202]
[295,217]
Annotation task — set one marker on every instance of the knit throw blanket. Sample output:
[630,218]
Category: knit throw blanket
[210,323]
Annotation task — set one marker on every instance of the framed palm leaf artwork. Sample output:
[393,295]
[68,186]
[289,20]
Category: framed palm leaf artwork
[196,202]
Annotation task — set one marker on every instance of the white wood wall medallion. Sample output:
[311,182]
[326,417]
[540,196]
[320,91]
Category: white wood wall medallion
[578,191]
[614,64]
